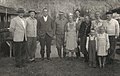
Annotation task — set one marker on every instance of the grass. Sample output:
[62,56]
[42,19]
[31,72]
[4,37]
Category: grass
[57,67]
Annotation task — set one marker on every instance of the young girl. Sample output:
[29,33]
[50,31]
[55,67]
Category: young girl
[71,36]
[102,46]
[92,48]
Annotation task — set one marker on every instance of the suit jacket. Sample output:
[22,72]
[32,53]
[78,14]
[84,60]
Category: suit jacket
[84,29]
[44,28]
[18,30]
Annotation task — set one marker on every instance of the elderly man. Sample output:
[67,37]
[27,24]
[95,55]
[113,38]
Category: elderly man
[45,33]
[60,23]
[18,29]
[31,30]
[112,27]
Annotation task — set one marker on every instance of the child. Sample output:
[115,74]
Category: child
[92,48]
[102,46]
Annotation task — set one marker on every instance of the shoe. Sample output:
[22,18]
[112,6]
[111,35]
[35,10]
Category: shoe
[42,59]
[18,66]
[90,65]
[49,59]
[94,66]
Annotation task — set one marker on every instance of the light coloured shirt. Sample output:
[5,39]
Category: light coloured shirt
[45,18]
[23,22]
[112,27]
[31,27]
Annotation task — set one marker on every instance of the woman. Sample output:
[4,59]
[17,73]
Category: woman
[71,36]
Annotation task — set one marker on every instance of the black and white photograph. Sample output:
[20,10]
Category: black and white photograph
[59,37]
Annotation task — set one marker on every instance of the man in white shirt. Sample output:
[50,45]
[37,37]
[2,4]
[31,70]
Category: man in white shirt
[18,30]
[112,28]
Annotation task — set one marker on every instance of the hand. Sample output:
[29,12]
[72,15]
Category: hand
[116,37]
[54,37]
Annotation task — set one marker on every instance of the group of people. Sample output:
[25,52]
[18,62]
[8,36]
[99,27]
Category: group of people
[75,35]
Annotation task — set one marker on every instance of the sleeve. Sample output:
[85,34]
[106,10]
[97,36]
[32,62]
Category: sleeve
[38,26]
[117,28]
[66,27]
[87,43]
[12,26]
[107,42]
[80,31]
[96,43]
[53,26]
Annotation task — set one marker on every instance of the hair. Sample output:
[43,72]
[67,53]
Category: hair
[110,12]
[45,9]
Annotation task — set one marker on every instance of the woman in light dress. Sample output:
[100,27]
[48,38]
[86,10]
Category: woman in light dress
[102,46]
[71,36]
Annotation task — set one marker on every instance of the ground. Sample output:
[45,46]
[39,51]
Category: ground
[57,67]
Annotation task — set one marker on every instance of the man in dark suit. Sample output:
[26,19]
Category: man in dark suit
[45,33]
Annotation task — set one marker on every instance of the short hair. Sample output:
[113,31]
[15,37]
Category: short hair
[110,12]
[45,9]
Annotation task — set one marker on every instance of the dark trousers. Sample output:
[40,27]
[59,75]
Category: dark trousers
[20,52]
[31,47]
[47,40]
[112,41]
[83,47]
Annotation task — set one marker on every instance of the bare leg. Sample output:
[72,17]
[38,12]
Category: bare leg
[104,60]
[100,61]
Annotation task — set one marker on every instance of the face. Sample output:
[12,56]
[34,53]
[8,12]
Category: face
[92,32]
[32,14]
[45,12]
[77,13]
[97,15]
[102,30]
[61,16]
[86,18]
[109,16]
[21,15]
[71,18]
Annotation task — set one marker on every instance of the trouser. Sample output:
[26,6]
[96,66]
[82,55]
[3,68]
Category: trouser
[112,41]
[31,45]
[20,52]
[60,44]
[83,47]
[78,50]
[46,40]
[92,52]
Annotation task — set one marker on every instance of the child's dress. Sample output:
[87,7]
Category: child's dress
[92,50]
[71,37]
[102,44]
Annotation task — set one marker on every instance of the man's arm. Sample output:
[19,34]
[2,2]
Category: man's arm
[12,26]
[117,28]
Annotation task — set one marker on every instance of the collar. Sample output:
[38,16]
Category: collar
[31,18]
[45,16]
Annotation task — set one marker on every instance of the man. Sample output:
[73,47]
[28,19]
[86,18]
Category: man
[18,29]
[31,30]
[83,33]
[60,23]
[45,33]
[112,27]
